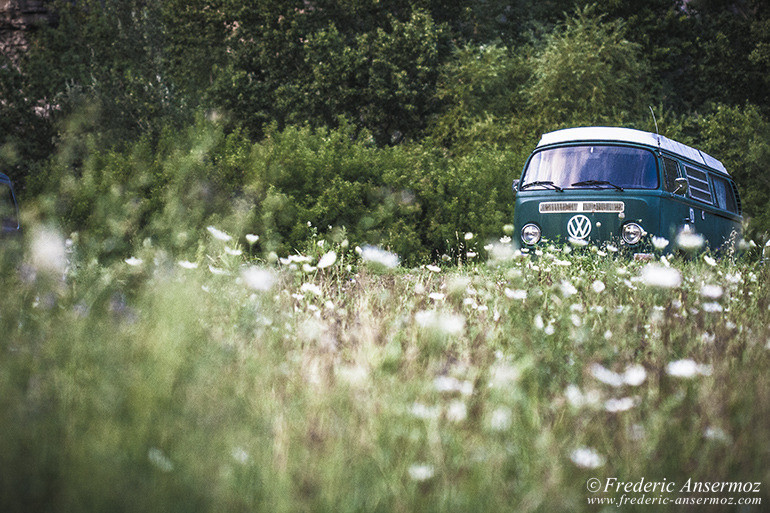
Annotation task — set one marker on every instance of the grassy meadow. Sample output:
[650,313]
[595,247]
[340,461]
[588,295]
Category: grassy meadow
[340,381]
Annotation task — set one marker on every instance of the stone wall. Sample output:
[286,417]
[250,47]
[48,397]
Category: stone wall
[17,17]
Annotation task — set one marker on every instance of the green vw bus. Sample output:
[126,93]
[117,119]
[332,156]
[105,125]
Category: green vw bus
[622,186]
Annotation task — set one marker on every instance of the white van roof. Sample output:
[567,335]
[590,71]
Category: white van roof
[605,133]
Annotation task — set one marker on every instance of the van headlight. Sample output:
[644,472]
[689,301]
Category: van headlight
[530,234]
[632,233]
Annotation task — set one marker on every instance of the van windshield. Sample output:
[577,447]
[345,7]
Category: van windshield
[613,166]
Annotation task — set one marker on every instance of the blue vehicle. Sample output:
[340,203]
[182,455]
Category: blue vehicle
[9,207]
[607,184]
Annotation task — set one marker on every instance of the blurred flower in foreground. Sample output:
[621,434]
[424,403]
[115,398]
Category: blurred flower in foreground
[327,260]
[218,234]
[258,278]
[659,243]
[634,375]
[446,323]
[424,412]
[160,460]
[500,419]
[449,384]
[655,275]
[618,405]
[186,264]
[456,411]
[689,240]
[585,457]
[133,261]
[378,256]
[421,471]
[606,376]
[48,250]
[711,291]
[240,455]
[687,369]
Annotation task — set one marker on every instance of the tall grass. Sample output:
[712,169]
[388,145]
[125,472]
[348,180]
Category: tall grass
[229,384]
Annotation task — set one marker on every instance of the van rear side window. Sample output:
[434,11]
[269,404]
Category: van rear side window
[723,194]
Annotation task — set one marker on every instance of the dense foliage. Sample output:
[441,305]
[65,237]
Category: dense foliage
[400,121]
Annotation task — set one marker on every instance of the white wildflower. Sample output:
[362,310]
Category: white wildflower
[312,288]
[251,238]
[711,291]
[717,434]
[585,457]
[468,236]
[436,296]
[258,278]
[186,264]
[660,243]
[687,369]
[433,268]
[598,286]
[634,375]
[567,288]
[618,405]
[578,242]
[504,240]
[216,270]
[500,419]
[233,251]
[160,460]
[447,323]
[449,385]
[327,260]
[688,240]
[421,471]
[48,251]
[538,322]
[712,307]
[456,411]
[134,261]
[378,256]
[654,275]
[218,234]
[503,375]
[307,268]
[709,260]
[515,294]
[606,376]
[240,455]
[423,412]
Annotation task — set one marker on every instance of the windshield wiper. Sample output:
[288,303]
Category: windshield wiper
[543,183]
[598,182]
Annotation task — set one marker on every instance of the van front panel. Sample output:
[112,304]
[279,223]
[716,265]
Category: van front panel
[591,215]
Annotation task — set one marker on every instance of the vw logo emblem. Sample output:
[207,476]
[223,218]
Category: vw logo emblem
[579,227]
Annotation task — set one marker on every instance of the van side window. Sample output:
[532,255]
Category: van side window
[699,184]
[724,195]
[670,174]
